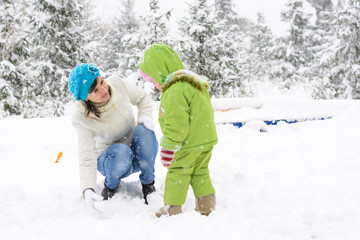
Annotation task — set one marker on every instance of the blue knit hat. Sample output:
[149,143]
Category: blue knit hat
[81,78]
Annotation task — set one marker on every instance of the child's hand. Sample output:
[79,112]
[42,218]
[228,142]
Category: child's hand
[167,156]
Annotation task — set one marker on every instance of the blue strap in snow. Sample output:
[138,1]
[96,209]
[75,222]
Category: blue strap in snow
[275,122]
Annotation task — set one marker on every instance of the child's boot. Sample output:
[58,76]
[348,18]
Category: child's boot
[205,205]
[168,210]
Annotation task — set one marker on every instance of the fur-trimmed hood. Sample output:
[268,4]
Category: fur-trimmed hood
[185,76]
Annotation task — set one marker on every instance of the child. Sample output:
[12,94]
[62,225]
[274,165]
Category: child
[187,122]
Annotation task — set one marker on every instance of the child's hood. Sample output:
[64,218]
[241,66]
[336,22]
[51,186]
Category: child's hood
[159,61]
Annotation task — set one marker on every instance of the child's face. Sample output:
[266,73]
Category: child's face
[150,79]
[157,85]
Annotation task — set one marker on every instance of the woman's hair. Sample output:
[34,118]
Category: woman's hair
[90,106]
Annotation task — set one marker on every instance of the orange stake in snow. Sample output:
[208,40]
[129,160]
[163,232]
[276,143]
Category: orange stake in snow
[59,156]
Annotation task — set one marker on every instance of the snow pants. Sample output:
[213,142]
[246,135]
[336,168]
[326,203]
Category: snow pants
[119,160]
[190,167]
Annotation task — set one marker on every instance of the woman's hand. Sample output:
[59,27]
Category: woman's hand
[148,123]
[90,198]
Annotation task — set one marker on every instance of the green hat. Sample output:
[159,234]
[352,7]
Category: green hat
[159,61]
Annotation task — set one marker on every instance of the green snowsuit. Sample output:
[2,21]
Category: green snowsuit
[187,122]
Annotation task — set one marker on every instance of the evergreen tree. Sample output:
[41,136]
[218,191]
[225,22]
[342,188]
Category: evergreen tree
[59,47]
[321,7]
[320,40]
[261,39]
[292,51]
[202,46]
[225,11]
[116,55]
[198,27]
[229,37]
[320,37]
[297,46]
[92,31]
[157,24]
[153,29]
[341,61]
[13,54]
[258,62]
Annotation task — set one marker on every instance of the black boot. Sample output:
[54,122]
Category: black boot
[147,189]
[107,193]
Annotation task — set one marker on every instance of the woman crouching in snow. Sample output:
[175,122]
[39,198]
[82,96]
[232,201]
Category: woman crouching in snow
[108,139]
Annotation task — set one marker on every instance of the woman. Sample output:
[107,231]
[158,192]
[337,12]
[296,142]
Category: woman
[108,139]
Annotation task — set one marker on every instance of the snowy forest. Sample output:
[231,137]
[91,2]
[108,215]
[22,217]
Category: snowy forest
[42,40]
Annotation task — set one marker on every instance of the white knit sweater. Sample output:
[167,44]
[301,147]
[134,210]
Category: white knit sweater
[115,125]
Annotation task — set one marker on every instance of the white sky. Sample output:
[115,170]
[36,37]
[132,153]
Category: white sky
[247,8]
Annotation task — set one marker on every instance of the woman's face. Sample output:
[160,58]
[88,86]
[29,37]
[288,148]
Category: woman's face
[100,93]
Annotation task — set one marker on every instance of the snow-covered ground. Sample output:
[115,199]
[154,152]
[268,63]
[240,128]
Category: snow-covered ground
[293,181]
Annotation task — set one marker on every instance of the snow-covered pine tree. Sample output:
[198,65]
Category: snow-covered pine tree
[13,55]
[116,56]
[257,60]
[153,28]
[225,10]
[322,7]
[228,40]
[91,29]
[158,28]
[354,42]
[59,46]
[203,45]
[320,40]
[197,28]
[292,51]
[341,61]
[297,51]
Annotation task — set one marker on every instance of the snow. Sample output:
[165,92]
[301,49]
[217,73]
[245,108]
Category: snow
[295,181]
[271,9]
